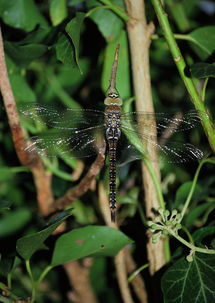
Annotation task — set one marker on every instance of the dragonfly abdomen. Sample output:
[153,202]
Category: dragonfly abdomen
[112,178]
[113,134]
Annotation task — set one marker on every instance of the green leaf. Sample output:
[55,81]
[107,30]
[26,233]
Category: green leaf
[75,2]
[70,78]
[204,41]
[109,24]
[99,269]
[202,233]
[20,87]
[22,55]
[203,70]
[88,241]
[190,282]
[8,263]
[183,191]
[13,221]
[28,245]
[198,211]
[58,11]
[6,173]
[123,72]
[22,14]
[73,28]
[65,50]
[5,205]
[38,36]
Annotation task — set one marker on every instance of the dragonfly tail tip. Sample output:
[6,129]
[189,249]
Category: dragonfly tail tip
[113,215]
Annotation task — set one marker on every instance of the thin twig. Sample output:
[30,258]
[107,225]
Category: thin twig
[79,279]
[74,193]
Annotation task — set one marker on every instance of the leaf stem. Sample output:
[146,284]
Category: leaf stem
[35,284]
[176,36]
[28,268]
[190,245]
[43,274]
[56,171]
[188,234]
[137,271]
[91,11]
[204,89]
[116,9]
[9,281]
[181,65]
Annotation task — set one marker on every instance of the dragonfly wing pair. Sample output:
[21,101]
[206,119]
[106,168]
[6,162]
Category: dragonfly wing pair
[80,133]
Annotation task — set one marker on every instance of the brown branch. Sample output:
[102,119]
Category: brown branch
[79,279]
[42,179]
[137,283]
[120,258]
[74,193]
[122,278]
[12,113]
[139,39]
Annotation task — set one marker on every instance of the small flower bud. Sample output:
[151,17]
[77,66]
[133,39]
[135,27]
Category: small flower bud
[161,211]
[178,226]
[178,216]
[189,258]
[157,219]
[154,239]
[166,213]
[150,223]
[165,232]
[174,212]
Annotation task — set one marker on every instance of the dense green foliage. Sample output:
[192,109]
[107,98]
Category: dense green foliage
[60,53]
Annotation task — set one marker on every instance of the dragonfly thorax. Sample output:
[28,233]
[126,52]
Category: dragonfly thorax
[113,99]
[113,134]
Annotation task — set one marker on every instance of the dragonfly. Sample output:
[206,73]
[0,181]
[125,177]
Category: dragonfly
[83,132]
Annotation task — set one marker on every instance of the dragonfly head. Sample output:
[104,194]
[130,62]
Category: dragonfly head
[113,98]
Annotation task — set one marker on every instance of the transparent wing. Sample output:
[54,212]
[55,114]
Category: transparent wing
[171,151]
[78,144]
[164,122]
[68,119]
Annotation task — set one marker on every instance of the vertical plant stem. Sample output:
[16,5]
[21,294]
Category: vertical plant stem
[181,66]
[139,38]
[33,282]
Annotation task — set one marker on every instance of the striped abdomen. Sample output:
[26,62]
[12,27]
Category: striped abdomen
[112,136]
